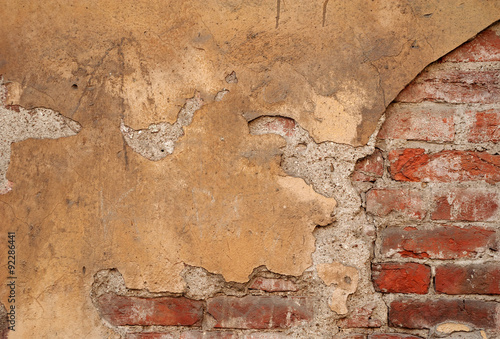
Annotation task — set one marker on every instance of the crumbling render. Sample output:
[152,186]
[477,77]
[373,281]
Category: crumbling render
[158,140]
[18,124]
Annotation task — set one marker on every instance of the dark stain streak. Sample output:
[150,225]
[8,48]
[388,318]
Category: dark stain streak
[325,4]
[278,9]
[125,155]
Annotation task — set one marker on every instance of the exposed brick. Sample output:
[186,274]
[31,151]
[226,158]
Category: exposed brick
[401,278]
[273,285]
[349,336]
[443,242]
[412,123]
[260,312]
[360,318]
[166,311]
[466,205]
[410,313]
[285,127]
[470,279]
[149,335]
[266,335]
[393,336]
[486,127]
[370,168]
[453,86]
[207,335]
[381,202]
[484,47]
[412,164]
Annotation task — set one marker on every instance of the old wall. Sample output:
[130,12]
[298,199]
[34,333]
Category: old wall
[180,199]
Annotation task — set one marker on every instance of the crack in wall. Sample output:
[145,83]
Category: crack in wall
[18,124]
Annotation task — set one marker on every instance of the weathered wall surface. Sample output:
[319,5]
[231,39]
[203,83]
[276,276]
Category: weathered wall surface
[332,65]
[174,202]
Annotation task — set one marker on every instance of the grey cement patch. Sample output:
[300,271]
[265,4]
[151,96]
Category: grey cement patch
[18,124]
[158,140]
[327,167]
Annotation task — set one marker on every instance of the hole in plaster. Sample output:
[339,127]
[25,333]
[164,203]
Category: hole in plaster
[74,86]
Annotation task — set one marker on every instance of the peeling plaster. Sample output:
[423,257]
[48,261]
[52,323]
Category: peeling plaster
[225,201]
[18,124]
[158,141]
[345,280]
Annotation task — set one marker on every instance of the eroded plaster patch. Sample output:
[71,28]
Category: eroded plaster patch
[18,124]
[344,279]
[158,140]
[452,327]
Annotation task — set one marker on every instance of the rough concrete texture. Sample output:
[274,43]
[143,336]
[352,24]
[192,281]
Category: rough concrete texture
[232,198]
[4,322]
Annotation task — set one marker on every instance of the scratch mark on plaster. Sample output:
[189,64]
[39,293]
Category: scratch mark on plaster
[278,9]
[18,124]
[158,140]
[14,213]
[325,4]
[89,86]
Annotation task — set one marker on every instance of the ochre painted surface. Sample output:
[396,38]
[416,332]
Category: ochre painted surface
[88,202]
[220,200]
[332,65]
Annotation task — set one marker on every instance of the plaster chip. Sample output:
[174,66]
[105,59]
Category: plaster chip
[344,278]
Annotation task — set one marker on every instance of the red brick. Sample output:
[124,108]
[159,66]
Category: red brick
[453,86]
[401,278]
[444,242]
[349,336]
[370,168]
[466,205]
[272,285]
[266,335]
[360,317]
[410,313]
[166,311]
[412,164]
[484,47]
[285,127]
[470,279]
[149,335]
[260,312]
[486,126]
[393,336]
[381,202]
[207,335]
[408,122]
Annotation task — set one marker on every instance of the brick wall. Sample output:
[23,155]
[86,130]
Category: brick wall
[435,196]
[431,189]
